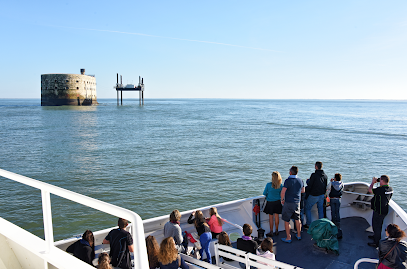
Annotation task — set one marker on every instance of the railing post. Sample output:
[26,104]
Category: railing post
[47,216]
[140,250]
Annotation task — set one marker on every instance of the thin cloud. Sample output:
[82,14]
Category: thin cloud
[174,38]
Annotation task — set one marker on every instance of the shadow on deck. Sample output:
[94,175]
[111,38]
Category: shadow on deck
[352,247]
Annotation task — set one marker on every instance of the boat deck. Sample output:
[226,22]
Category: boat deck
[352,247]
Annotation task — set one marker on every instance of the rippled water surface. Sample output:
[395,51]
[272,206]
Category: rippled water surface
[185,154]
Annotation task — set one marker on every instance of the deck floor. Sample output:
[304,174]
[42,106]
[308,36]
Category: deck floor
[352,247]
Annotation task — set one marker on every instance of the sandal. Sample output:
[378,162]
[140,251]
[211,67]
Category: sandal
[285,240]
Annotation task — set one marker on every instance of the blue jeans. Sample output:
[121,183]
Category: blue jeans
[205,240]
[312,200]
[335,205]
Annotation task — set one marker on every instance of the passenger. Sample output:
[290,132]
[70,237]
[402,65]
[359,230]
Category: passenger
[152,251]
[273,206]
[380,206]
[172,228]
[246,243]
[121,244]
[84,249]
[334,191]
[215,222]
[316,187]
[290,199]
[392,250]
[223,239]
[204,232]
[104,261]
[168,256]
[266,250]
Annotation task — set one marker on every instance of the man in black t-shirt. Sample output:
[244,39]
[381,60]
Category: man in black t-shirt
[121,244]
[380,206]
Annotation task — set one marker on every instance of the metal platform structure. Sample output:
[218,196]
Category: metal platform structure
[129,87]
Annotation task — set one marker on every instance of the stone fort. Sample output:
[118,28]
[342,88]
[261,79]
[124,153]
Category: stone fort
[68,89]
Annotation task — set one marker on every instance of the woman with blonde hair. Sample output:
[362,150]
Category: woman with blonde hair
[393,250]
[152,251]
[104,261]
[168,257]
[273,207]
[215,222]
[204,232]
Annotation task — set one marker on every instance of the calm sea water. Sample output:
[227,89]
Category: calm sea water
[185,154]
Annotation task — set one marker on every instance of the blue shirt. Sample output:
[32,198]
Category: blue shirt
[294,185]
[271,193]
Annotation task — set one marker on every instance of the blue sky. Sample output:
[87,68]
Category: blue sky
[210,49]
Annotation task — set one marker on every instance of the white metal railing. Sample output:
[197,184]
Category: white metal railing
[192,262]
[356,266]
[247,258]
[137,231]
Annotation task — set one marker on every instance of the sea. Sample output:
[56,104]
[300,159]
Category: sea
[187,153]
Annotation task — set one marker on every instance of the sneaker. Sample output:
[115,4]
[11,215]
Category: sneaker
[270,234]
[298,237]
[276,233]
[285,240]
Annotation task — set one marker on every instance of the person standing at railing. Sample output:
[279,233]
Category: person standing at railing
[290,199]
[204,232]
[215,222]
[121,244]
[334,192]
[380,206]
[392,250]
[273,207]
[316,188]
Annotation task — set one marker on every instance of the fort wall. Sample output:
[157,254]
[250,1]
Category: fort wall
[68,89]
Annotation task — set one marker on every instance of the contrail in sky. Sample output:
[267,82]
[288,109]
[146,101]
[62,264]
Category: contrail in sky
[174,38]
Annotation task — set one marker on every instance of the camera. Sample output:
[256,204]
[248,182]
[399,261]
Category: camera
[377,179]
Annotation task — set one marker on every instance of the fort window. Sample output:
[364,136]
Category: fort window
[77,81]
[77,88]
[67,80]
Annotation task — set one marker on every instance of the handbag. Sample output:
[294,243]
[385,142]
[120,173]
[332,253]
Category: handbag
[380,261]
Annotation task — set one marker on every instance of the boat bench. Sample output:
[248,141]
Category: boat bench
[247,258]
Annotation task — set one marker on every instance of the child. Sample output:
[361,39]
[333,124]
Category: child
[223,239]
[266,249]
[204,233]
[104,261]
[334,191]
[246,243]
[273,207]
[215,222]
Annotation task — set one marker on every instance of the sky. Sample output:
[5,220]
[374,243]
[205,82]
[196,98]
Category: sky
[210,49]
